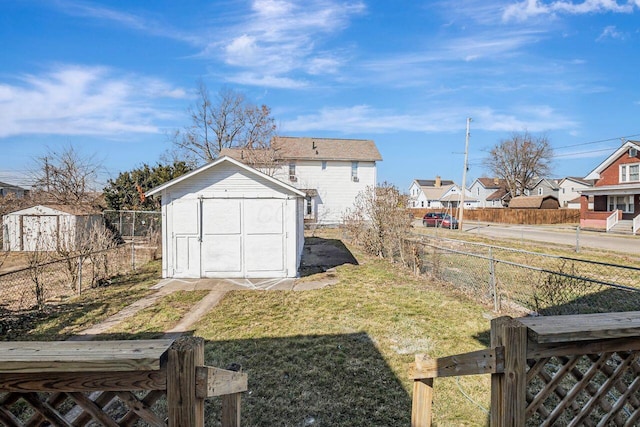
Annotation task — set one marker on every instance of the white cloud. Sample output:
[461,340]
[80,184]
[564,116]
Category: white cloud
[78,100]
[366,119]
[531,8]
[610,32]
[285,36]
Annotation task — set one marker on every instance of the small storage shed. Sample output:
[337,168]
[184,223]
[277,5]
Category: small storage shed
[229,220]
[47,227]
[534,202]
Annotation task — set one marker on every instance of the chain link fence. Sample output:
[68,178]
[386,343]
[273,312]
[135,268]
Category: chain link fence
[46,281]
[521,281]
[135,225]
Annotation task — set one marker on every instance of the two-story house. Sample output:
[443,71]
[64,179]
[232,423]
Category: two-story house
[331,171]
[616,191]
[544,187]
[569,190]
[437,194]
[490,192]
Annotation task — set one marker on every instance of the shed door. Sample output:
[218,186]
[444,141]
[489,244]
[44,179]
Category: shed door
[185,224]
[243,238]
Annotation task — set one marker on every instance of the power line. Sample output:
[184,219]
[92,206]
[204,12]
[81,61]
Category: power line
[596,142]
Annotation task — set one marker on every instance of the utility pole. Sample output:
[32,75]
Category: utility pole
[464,175]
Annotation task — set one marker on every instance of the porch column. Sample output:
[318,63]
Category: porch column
[584,205]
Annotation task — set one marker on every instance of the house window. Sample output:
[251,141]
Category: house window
[309,206]
[478,190]
[292,172]
[428,204]
[540,191]
[630,172]
[354,171]
[623,203]
[563,190]
[324,164]
[422,204]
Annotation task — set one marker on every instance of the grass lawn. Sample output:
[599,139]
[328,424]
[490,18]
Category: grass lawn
[338,356]
[60,320]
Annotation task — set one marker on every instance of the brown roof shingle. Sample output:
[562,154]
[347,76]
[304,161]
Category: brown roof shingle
[288,147]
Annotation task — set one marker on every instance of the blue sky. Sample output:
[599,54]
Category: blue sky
[115,78]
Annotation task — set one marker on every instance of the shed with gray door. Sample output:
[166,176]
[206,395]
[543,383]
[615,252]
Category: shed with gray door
[229,220]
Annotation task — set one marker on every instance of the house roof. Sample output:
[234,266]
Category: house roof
[529,201]
[553,184]
[307,148]
[432,182]
[456,197]
[435,193]
[583,181]
[215,163]
[499,194]
[595,174]
[492,182]
[11,186]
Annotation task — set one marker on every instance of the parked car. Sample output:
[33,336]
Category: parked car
[439,219]
[449,222]
[432,219]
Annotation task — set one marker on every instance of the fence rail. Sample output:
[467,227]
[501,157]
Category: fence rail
[527,281]
[156,383]
[45,281]
[557,370]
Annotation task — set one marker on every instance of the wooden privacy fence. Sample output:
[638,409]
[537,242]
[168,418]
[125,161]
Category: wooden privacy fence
[113,383]
[578,370]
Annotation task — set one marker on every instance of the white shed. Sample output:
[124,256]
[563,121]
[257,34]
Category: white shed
[229,220]
[47,227]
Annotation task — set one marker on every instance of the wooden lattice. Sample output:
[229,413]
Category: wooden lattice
[591,390]
[121,408]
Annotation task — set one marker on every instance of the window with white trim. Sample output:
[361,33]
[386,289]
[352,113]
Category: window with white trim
[623,203]
[540,191]
[354,171]
[630,172]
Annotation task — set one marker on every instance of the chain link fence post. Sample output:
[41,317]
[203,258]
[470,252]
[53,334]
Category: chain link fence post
[492,281]
[79,275]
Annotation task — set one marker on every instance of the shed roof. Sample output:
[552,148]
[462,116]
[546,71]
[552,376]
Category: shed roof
[217,162]
[78,210]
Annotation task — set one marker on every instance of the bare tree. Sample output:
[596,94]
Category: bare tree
[379,221]
[227,121]
[66,176]
[520,160]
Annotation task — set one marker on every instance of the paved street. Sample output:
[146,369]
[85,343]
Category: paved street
[564,235]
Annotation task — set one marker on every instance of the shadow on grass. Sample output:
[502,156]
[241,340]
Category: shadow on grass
[317,380]
[320,254]
[608,300]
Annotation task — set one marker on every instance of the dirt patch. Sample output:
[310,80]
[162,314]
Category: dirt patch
[320,255]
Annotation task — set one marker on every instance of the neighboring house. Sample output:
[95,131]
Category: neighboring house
[569,190]
[437,194]
[534,202]
[48,227]
[616,191]
[490,192]
[545,187]
[575,203]
[7,189]
[227,219]
[331,172]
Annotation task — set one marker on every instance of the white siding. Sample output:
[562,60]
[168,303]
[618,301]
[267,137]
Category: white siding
[569,190]
[227,221]
[336,190]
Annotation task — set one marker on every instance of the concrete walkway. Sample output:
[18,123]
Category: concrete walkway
[217,288]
